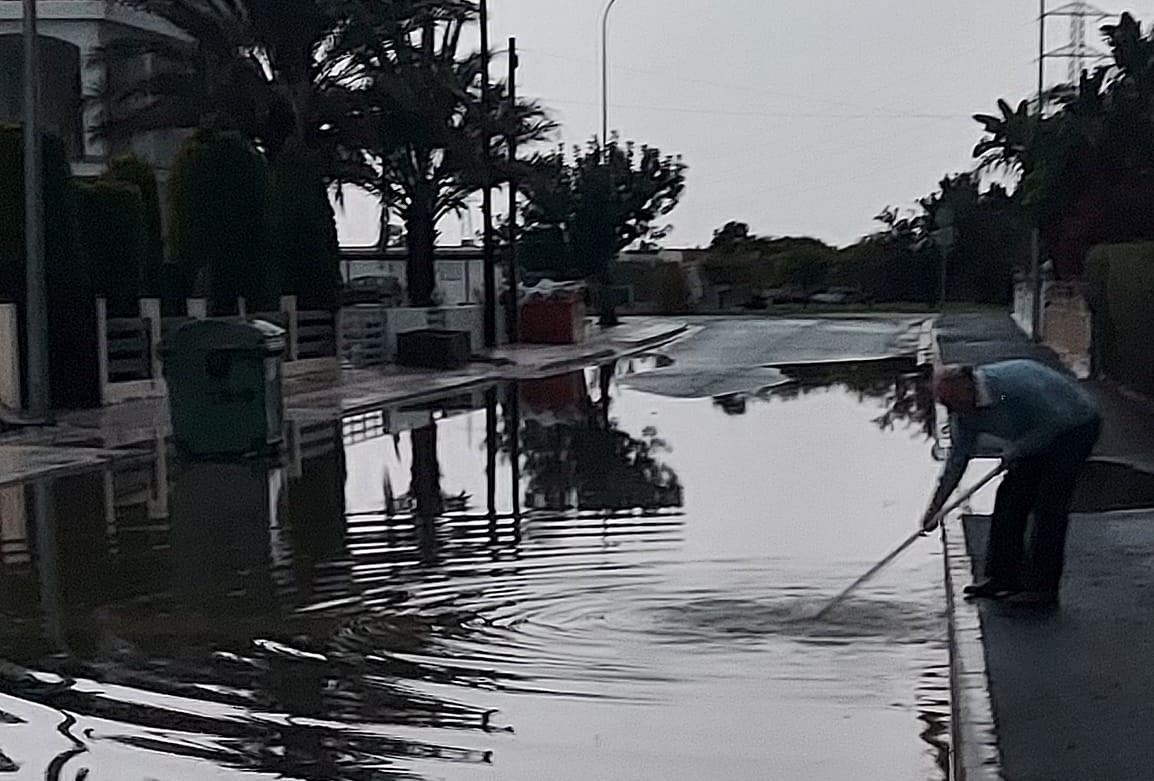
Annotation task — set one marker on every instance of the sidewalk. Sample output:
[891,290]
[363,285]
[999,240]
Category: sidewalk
[1070,691]
[81,440]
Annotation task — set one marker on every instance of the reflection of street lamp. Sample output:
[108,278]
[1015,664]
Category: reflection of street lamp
[605,73]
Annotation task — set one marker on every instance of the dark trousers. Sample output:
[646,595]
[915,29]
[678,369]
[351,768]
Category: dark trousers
[1045,484]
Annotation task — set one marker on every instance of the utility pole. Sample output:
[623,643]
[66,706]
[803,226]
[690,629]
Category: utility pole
[1077,51]
[38,403]
[1036,237]
[487,190]
[511,260]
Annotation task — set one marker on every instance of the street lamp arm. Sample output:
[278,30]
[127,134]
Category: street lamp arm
[605,72]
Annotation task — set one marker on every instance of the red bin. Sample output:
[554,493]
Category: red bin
[552,321]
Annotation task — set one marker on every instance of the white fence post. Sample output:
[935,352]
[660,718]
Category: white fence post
[288,305]
[150,311]
[102,347]
[158,503]
[197,308]
[9,357]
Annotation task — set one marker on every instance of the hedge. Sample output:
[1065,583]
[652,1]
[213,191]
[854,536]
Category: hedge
[1120,289]
[112,231]
[132,170]
[303,251]
[72,343]
[218,218]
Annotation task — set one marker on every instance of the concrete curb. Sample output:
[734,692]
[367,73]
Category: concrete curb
[974,754]
[512,372]
[624,350]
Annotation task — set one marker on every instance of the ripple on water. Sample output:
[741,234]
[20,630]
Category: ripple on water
[790,616]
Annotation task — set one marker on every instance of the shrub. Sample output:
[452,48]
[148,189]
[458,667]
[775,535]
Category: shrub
[132,170]
[304,252]
[112,233]
[72,345]
[218,207]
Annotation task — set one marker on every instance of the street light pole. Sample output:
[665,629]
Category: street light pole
[487,191]
[36,302]
[605,73]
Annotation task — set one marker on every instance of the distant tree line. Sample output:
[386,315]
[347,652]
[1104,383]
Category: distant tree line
[1080,168]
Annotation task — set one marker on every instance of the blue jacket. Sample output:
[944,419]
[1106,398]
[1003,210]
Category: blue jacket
[1025,404]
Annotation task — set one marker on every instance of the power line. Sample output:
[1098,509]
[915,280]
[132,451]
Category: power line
[680,79]
[768,114]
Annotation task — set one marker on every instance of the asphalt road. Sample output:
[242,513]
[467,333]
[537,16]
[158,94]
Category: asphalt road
[726,356]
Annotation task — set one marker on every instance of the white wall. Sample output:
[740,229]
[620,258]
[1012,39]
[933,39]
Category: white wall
[460,281]
[9,357]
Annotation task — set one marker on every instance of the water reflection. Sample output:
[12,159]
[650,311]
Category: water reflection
[402,589]
[578,458]
[900,384]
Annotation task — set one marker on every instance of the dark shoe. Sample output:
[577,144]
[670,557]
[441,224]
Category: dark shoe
[989,589]
[1033,599]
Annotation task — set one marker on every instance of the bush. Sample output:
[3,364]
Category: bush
[111,217]
[1120,286]
[131,170]
[218,209]
[304,252]
[72,345]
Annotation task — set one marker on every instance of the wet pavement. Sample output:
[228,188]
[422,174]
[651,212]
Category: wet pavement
[733,356]
[566,577]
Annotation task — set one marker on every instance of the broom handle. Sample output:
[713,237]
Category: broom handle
[939,516]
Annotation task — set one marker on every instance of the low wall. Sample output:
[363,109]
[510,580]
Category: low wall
[368,333]
[1067,325]
[1120,290]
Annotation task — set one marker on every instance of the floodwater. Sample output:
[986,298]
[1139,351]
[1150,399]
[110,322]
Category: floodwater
[566,579]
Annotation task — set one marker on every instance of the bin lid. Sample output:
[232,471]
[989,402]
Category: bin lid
[274,335]
[213,335]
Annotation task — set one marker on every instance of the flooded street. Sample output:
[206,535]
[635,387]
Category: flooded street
[577,577]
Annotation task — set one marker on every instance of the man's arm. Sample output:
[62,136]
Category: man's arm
[962,442]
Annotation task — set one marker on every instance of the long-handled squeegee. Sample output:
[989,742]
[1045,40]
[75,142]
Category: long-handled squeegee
[940,517]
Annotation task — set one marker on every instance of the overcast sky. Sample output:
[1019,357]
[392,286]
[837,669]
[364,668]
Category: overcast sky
[798,118]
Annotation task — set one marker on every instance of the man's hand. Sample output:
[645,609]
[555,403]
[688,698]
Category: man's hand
[931,520]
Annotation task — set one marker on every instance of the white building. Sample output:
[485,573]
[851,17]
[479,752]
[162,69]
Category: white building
[72,77]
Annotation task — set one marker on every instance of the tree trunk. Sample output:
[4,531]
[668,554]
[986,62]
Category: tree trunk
[420,268]
[426,482]
[605,305]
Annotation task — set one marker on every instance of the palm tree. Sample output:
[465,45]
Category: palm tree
[426,125]
[1087,168]
[269,69]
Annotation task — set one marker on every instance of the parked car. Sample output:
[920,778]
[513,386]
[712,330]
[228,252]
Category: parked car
[785,295]
[372,290]
[838,295]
